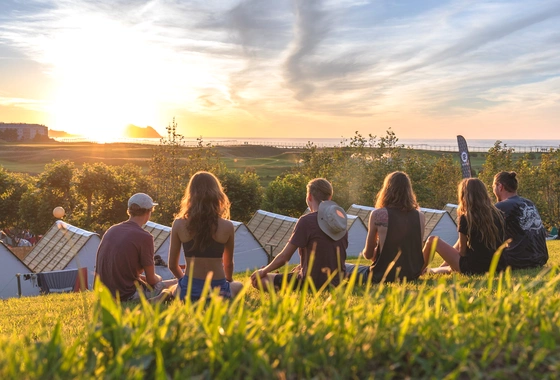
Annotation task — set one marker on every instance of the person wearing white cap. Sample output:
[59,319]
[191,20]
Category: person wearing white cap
[395,234]
[322,233]
[126,251]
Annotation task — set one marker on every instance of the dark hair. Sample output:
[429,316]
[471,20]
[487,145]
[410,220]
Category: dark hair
[397,192]
[135,210]
[203,204]
[508,180]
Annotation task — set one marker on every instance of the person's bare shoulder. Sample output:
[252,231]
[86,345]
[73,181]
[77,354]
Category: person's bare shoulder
[380,217]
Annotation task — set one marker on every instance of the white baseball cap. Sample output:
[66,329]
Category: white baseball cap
[142,200]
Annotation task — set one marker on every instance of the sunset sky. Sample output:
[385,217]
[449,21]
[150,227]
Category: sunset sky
[273,68]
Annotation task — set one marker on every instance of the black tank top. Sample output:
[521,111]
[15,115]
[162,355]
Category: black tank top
[405,235]
[214,251]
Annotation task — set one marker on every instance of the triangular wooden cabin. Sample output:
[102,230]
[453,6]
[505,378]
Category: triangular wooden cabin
[65,247]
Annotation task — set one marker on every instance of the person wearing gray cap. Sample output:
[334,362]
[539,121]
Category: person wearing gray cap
[322,233]
[126,251]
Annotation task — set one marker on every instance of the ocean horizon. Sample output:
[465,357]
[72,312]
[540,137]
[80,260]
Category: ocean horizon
[475,145]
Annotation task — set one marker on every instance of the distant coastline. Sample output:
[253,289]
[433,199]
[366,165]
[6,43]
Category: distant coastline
[475,145]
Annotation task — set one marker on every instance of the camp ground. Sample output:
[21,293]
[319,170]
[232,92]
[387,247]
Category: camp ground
[273,231]
[248,253]
[357,234]
[452,210]
[438,222]
[11,266]
[65,247]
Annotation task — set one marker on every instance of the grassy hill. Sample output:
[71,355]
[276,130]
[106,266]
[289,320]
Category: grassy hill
[442,326]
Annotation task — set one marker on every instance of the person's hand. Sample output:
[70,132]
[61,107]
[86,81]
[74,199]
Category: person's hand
[259,273]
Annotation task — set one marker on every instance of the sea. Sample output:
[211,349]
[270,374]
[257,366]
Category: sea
[475,145]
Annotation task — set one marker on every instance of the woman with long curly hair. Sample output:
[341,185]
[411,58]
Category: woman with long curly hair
[207,236]
[394,240]
[481,231]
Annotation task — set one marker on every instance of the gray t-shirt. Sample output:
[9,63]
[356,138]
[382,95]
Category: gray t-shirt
[126,248]
[524,226]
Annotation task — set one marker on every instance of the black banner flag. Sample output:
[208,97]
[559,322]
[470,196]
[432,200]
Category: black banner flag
[464,156]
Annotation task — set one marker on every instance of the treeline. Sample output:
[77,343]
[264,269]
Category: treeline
[95,195]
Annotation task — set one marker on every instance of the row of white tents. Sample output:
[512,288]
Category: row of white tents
[66,247]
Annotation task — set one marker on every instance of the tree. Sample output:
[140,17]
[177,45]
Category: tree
[244,192]
[12,188]
[287,195]
[498,159]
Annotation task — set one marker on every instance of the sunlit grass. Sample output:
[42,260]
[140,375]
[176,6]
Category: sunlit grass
[441,326]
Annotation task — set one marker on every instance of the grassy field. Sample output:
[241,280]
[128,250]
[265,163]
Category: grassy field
[442,326]
[268,162]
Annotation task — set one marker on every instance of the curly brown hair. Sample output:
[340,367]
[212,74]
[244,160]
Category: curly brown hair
[203,204]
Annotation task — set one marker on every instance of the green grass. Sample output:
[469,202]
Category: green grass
[443,326]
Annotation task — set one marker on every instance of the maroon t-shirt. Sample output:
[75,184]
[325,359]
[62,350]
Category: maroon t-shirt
[126,248]
[329,254]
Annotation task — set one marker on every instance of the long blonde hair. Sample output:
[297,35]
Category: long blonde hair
[481,214]
[397,192]
[203,204]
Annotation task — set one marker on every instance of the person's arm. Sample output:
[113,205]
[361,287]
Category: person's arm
[279,261]
[152,277]
[227,257]
[461,244]
[375,219]
[175,252]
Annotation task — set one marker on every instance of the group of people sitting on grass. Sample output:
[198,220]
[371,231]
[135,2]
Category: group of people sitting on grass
[394,244]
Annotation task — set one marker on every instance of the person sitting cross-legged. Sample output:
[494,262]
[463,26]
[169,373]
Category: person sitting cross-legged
[125,257]
[481,232]
[207,236]
[394,240]
[321,233]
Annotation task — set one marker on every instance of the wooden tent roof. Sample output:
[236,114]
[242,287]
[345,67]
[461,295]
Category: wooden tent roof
[159,232]
[57,248]
[361,211]
[272,229]
[452,210]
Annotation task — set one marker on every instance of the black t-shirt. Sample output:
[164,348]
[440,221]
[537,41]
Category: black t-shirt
[479,257]
[524,226]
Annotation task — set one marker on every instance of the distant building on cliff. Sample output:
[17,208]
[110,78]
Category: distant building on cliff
[25,131]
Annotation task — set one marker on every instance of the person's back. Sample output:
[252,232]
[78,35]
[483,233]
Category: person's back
[524,226]
[124,251]
[329,254]
[403,242]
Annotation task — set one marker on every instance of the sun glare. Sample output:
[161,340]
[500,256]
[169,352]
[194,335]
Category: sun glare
[103,86]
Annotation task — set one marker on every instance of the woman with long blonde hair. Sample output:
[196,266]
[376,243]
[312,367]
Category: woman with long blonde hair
[481,231]
[207,236]
[394,240]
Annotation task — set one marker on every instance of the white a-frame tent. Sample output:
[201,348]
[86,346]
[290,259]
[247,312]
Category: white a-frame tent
[438,222]
[357,234]
[361,211]
[452,210]
[65,247]
[10,266]
[248,253]
[273,231]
